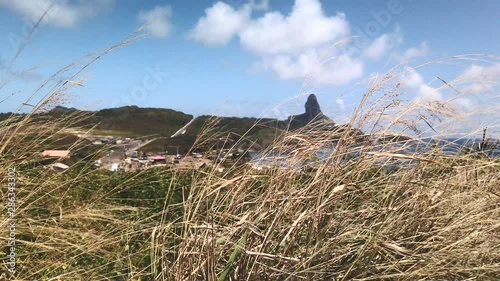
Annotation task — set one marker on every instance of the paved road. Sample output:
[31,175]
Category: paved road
[136,145]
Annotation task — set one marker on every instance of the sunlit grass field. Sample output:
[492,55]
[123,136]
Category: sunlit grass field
[343,217]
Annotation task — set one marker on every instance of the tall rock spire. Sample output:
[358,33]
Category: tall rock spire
[312,107]
[312,113]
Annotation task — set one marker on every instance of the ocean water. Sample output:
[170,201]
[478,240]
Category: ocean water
[453,146]
[450,146]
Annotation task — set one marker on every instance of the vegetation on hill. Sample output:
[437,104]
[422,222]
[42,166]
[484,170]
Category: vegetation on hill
[338,218]
[143,121]
[133,121]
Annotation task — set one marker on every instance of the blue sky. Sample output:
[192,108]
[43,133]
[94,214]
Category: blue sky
[249,58]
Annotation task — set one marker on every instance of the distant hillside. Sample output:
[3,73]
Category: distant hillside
[134,121]
[139,121]
[250,132]
[157,121]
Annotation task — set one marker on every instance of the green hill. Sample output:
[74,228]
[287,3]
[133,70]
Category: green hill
[134,121]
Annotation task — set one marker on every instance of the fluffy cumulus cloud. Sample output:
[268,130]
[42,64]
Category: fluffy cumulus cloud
[463,104]
[421,51]
[220,23]
[305,27]
[157,21]
[378,48]
[62,13]
[294,46]
[340,104]
[411,78]
[480,79]
[414,82]
[301,45]
[428,93]
[308,66]
[477,86]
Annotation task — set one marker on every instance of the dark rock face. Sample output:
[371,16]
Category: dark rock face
[313,113]
[312,107]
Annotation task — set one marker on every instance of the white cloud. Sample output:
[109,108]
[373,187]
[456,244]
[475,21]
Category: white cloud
[157,21]
[305,27]
[378,47]
[477,87]
[273,33]
[413,81]
[463,104]
[60,13]
[338,71]
[220,24]
[411,78]
[311,67]
[480,79]
[428,93]
[421,51]
[296,46]
[340,103]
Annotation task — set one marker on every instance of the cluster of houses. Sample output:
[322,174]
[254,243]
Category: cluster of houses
[123,157]
[135,162]
[59,160]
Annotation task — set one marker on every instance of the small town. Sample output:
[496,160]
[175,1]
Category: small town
[125,155]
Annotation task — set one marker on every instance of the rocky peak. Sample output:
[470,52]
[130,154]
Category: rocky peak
[312,112]
[312,107]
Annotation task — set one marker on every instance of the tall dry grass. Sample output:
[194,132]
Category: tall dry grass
[345,217]
[352,216]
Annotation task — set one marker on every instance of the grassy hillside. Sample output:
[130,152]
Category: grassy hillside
[133,121]
[144,121]
[159,121]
